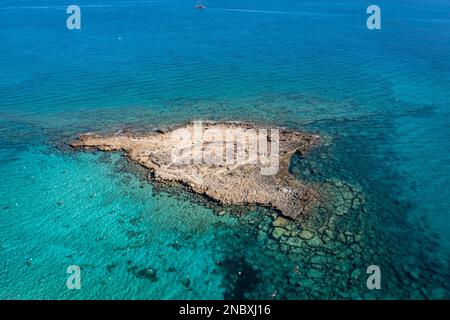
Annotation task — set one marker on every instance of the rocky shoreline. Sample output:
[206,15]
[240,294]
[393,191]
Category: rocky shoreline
[227,183]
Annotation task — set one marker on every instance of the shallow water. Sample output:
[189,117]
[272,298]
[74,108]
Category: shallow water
[380,99]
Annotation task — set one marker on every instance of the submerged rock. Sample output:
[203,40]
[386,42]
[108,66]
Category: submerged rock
[306,235]
[280,222]
[146,273]
[277,232]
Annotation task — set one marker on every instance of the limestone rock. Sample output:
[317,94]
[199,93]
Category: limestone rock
[280,222]
[306,235]
[277,232]
[227,183]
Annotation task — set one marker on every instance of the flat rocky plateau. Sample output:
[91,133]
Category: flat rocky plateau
[229,183]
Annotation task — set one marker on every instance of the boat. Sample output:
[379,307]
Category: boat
[200,6]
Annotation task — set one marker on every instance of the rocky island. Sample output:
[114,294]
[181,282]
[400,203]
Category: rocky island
[232,163]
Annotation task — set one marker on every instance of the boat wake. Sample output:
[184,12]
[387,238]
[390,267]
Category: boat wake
[257,11]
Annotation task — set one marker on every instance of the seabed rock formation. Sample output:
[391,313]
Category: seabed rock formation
[229,184]
[334,243]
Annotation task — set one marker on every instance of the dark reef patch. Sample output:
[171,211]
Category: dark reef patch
[240,278]
[145,273]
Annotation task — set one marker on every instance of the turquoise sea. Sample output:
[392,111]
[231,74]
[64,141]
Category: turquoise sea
[379,98]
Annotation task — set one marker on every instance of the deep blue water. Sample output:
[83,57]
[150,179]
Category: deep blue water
[380,99]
